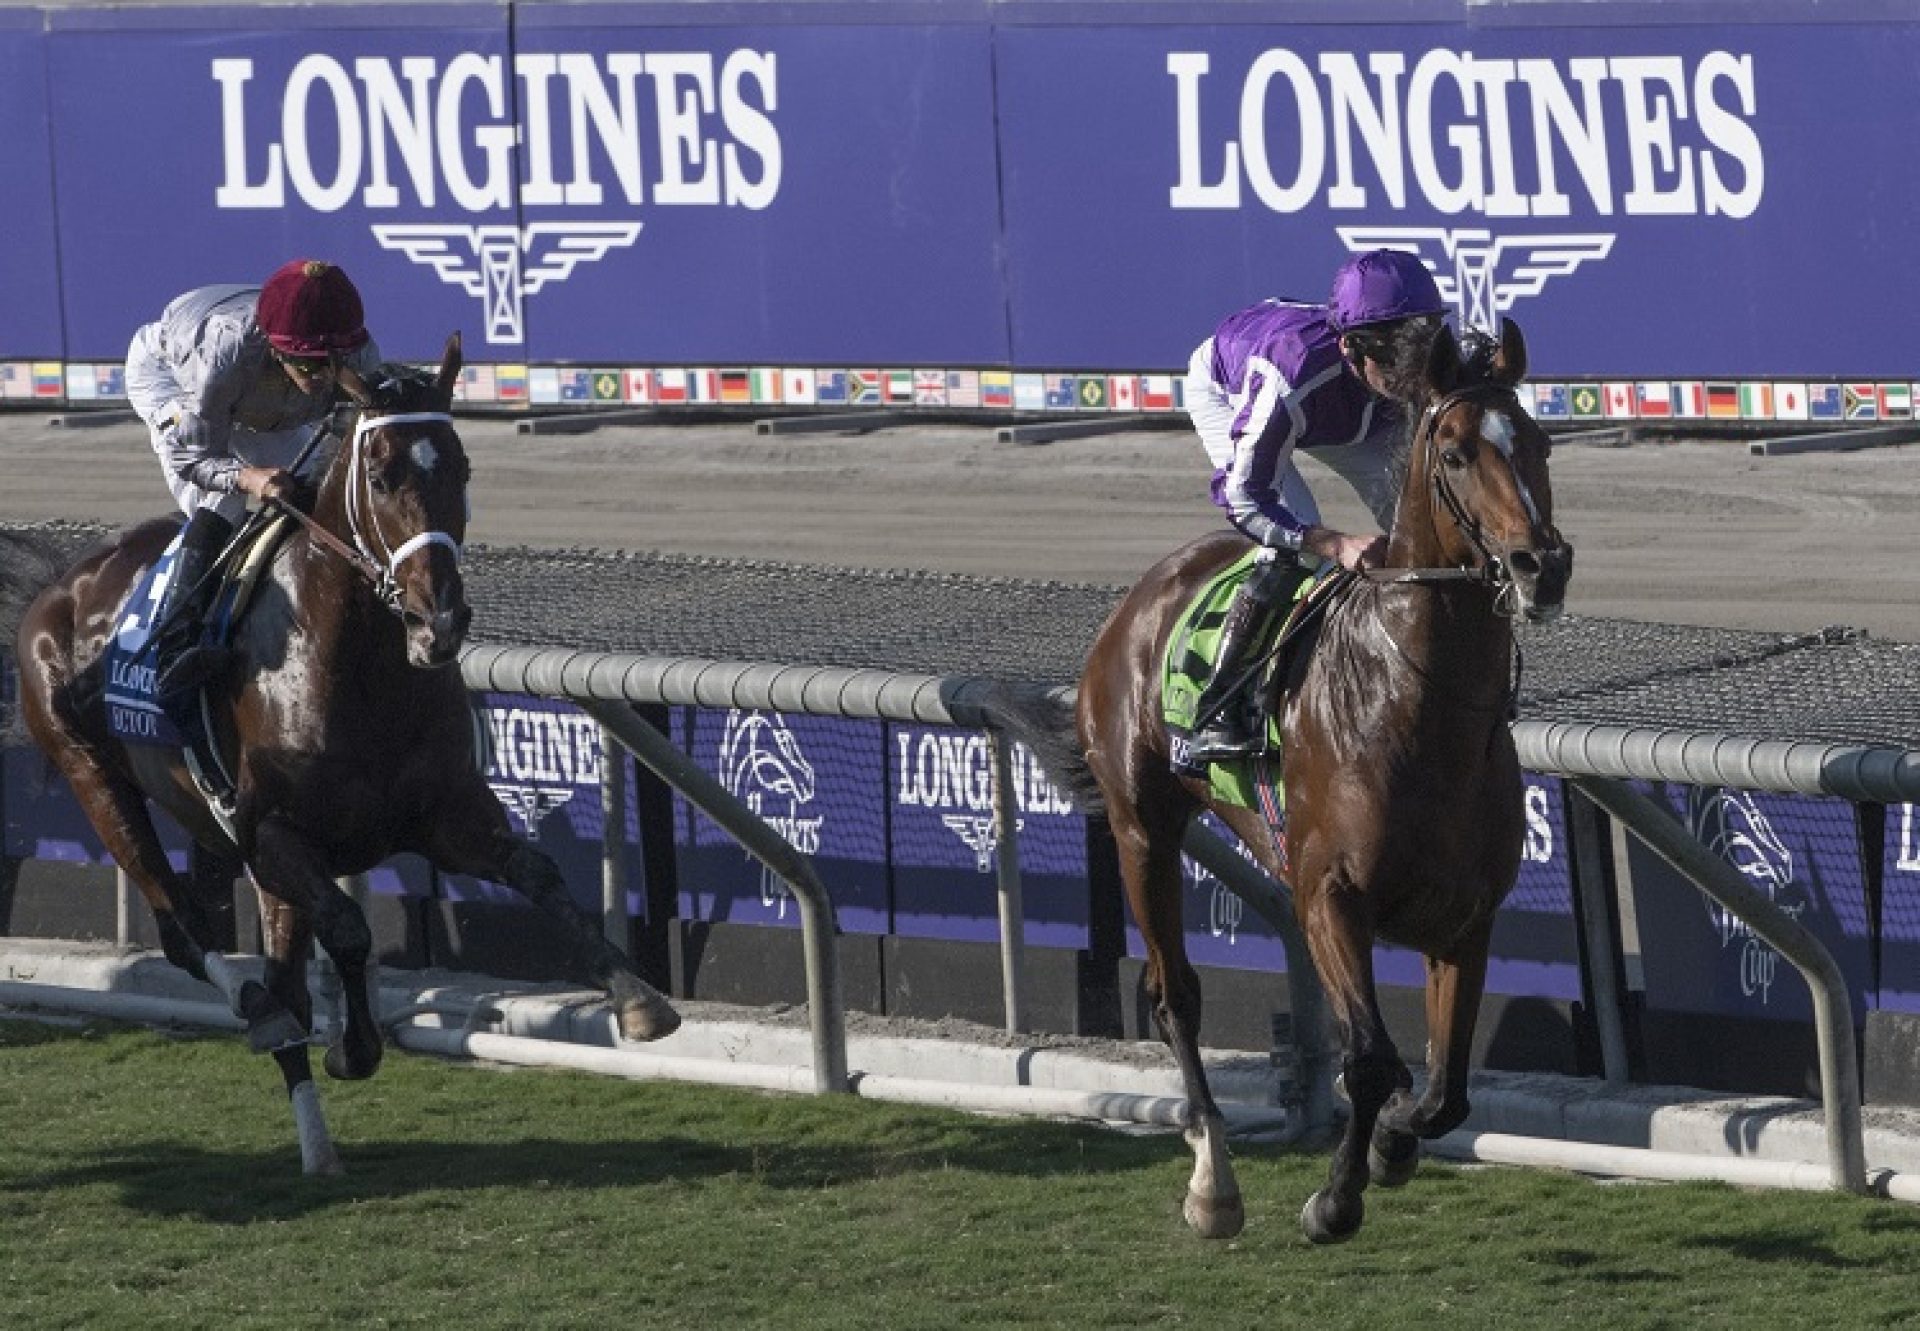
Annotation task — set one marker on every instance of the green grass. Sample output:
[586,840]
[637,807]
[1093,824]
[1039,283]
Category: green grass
[153,1181]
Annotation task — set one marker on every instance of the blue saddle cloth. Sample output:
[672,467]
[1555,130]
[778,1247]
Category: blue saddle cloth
[134,714]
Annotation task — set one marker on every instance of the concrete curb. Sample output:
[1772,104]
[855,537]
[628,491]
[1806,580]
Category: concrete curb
[1659,1118]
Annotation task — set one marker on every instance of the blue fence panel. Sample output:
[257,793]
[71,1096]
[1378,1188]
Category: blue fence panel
[29,260]
[1900,911]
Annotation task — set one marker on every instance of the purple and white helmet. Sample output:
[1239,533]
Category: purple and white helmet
[1380,286]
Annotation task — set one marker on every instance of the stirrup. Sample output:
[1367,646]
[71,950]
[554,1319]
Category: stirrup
[1224,742]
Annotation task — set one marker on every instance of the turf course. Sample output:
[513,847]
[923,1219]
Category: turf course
[148,1180]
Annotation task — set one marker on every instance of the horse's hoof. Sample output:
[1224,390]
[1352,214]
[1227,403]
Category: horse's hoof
[1324,1220]
[642,1021]
[1215,1217]
[342,1066]
[1393,1168]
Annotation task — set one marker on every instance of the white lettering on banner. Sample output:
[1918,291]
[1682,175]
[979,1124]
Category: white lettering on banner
[763,766]
[1732,825]
[537,761]
[953,773]
[1225,910]
[415,131]
[1448,123]
[1538,846]
[1908,858]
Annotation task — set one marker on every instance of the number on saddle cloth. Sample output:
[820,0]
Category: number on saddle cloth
[1191,650]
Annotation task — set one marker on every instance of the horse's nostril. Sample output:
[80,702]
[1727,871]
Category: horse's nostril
[1524,562]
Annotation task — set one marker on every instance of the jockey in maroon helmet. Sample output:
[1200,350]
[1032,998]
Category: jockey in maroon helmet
[1285,375]
[230,381]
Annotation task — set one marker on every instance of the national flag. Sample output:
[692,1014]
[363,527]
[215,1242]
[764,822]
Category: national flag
[511,380]
[1060,392]
[963,388]
[1550,402]
[797,388]
[80,384]
[1156,392]
[1825,402]
[1654,401]
[1690,400]
[1723,402]
[47,381]
[899,385]
[16,380]
[574,385]
[831,387]
[930,388]
[1029,392]
[766,386]
[671,386]
[638,385]
[1090,392]
[1896,402]
[477,385]
[703,385]
[1585,401]
[1863,402]
[543,385]
[1123,392]
[996,388]
[1619,401]
[736,386]
[1790,402]
[608,386]
[1756,402]
[110,380]
[1180,393]
[863,387]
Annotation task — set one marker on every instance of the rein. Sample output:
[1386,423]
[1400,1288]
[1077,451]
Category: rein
[361,556]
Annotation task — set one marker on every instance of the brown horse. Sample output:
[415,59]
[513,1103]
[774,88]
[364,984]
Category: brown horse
[1403,792]
[345,722]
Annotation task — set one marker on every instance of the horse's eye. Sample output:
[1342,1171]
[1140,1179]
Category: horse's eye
[1453,457]
[380,484]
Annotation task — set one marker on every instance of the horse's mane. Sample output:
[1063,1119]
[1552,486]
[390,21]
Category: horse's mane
[1477,352]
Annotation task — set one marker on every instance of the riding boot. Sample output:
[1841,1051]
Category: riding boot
[1234,731]
[185,656]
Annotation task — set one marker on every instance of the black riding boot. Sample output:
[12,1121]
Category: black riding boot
[1235,729]
[183,657]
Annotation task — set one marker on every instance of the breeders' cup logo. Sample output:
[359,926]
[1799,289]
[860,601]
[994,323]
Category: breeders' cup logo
[536,761]
[1731,824]
[951,773]
[762,766]
[1448,132]
[1225,909]
[492,137]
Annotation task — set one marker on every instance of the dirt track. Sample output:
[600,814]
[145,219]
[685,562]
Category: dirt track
[1692,533]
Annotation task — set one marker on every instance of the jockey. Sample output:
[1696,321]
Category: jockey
[1280,376]
[230,381]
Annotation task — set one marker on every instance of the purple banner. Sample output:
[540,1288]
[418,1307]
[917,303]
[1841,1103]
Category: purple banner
[543,760]
[29,260]
[944,842]
[817,782]
[1900,911]
[1803,853]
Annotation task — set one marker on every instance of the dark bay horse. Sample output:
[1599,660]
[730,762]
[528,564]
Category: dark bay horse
[1403,792]
[345,721]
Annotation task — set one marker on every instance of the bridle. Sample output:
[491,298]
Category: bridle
[370,555]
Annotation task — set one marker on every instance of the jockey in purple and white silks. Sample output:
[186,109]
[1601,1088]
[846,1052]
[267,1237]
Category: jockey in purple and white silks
[1281,376]
[230,381]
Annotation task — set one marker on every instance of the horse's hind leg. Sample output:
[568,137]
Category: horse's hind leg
[472,836]
[1340,932]
[1149,852]
[1454,988]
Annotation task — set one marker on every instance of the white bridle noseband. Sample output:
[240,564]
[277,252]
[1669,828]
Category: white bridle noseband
[366,535]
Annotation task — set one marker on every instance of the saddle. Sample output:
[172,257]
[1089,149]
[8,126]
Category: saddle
[1191,651]
[134,713]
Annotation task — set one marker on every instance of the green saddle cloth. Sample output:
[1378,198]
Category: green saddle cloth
[1191,651]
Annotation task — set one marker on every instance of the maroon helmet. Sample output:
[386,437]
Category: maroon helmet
[309,308]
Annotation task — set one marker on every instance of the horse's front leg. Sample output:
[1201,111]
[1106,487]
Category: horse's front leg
[290,868]
[1454,988]
[1339,929]
[472,836]
[287,935]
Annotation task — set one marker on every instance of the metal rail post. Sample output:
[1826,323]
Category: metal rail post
[825,1007]
[1591,881]
[613,841]
[1317,1053]
[1013,923]
[1832,1013]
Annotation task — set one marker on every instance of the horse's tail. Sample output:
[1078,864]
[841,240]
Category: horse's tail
[1043,721]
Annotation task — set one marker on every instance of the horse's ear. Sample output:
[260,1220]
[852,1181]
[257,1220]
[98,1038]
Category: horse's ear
[1443,361]
[355,387]
[449,365]
[1510,362]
